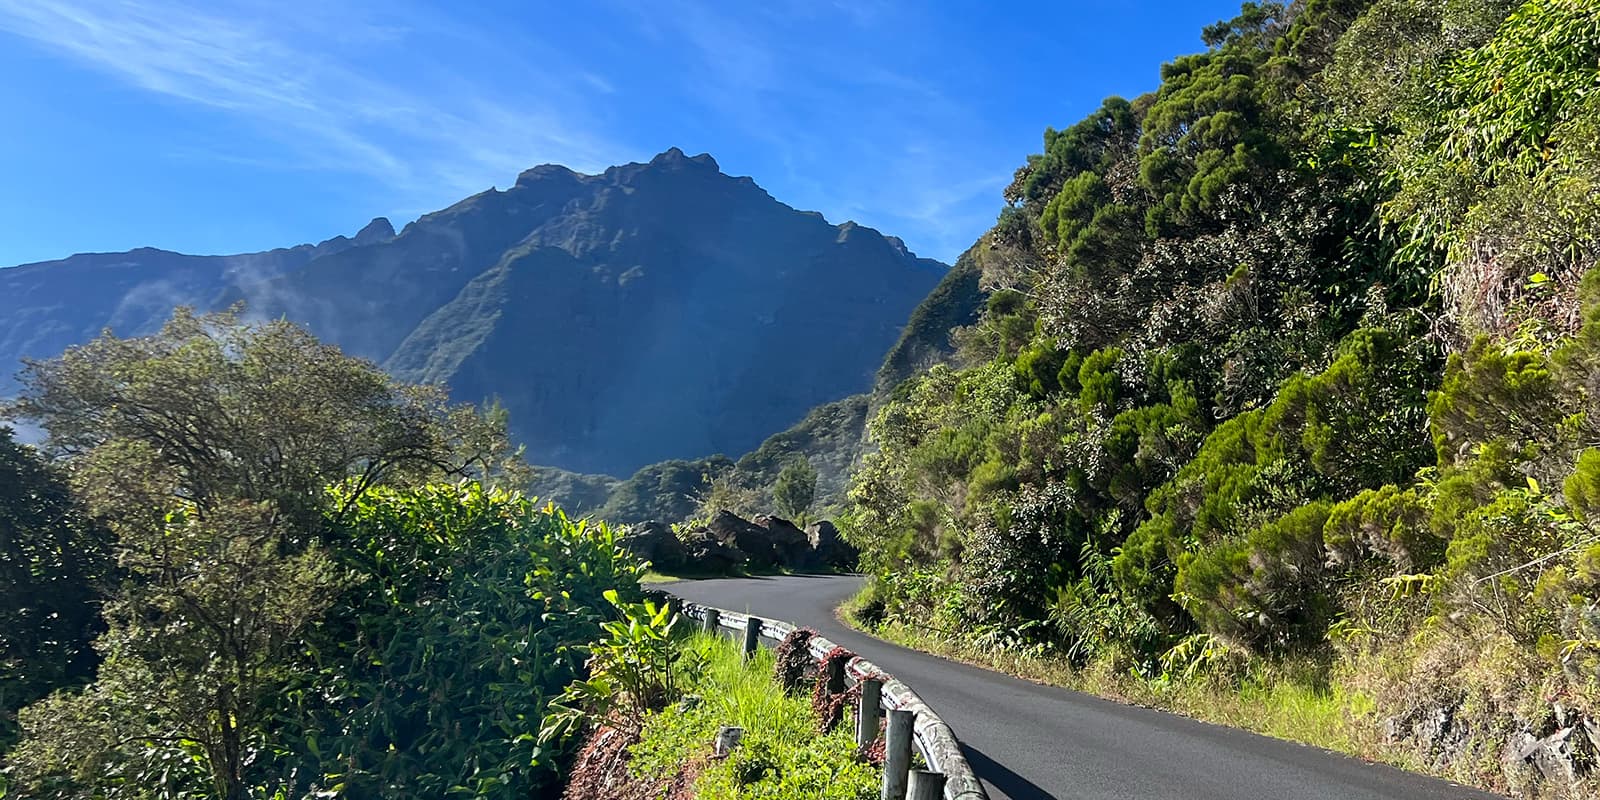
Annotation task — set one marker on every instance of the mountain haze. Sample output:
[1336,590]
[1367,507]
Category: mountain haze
[656,310]
[48,306]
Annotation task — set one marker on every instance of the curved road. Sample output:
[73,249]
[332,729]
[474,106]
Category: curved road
[1029,742]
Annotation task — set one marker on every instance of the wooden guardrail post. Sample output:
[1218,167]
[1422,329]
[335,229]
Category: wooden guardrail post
[926,785]
[713,620]
[869,713]
[897,755]
[752,636]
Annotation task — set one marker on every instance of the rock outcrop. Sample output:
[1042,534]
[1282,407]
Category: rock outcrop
[830,549]
[656,542]
[789,543]
[751,539]
[728,542]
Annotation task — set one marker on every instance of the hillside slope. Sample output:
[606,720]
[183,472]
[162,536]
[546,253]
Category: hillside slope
[1283,408]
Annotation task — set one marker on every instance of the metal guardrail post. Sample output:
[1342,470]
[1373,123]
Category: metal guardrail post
[897,755]
[752,636]
[869,712]
[713,619]
[926,785]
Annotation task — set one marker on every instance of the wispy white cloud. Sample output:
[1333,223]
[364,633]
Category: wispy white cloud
[297,72]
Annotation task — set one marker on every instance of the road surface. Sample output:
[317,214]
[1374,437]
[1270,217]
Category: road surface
[1029,742]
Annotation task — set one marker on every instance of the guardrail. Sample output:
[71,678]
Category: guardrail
[931,736]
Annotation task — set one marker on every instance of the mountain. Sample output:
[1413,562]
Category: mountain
[48,306]
[654,311]
[831,436]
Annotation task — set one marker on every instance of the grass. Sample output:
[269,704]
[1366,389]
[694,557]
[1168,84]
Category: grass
[782,756]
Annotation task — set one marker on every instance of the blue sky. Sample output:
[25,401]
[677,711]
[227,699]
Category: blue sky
[241,125]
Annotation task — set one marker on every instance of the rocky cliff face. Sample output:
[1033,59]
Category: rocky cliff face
[653,311]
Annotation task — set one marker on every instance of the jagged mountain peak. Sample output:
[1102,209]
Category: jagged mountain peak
[675,157]
[545,172]
[379,229]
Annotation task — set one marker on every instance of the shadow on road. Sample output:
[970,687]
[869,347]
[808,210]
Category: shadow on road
[995,774]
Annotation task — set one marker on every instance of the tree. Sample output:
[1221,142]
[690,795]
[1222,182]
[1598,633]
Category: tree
[212,411]
[795,488]
[53,566]
[207,450]
[467,611]
[206,626]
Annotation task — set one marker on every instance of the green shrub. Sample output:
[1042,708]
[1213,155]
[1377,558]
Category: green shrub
[632,672]
[1387,522]
[468,611]
[1267,591]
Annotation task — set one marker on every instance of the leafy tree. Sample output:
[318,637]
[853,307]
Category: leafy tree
[55,565]
[411,658]
[211,411]
[795,488]
[667,491]
[206,451]
[208,623]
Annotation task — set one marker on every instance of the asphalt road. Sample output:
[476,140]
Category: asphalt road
[1028,741]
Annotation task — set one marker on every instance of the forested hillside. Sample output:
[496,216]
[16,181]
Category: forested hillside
[1287,373]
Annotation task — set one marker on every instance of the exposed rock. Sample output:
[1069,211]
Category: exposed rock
[1435,727]
[767,542]
[1551,755]
[1557,759]
[753,540]
[789,542]
[828,548]
[378,230]
[728,739]
[655,541]
[707,554]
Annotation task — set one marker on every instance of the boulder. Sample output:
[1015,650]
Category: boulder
[707,554]
[753,540]
[657,543]
[789,542]
[828,548]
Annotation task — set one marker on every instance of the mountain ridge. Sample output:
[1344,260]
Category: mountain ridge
[720,313]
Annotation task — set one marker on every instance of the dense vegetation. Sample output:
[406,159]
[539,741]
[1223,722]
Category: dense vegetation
[829,440]
[247,565]
[1291,361]
[656,699]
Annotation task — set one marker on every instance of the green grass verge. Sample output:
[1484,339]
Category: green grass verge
[782,756]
